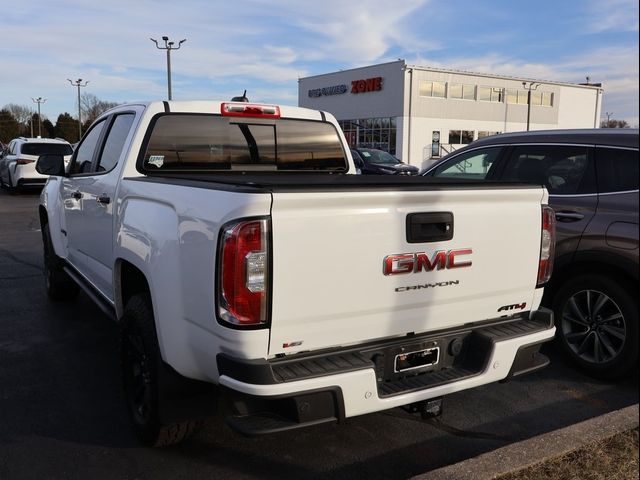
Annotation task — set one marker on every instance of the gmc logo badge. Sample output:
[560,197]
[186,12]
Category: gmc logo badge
[419,261]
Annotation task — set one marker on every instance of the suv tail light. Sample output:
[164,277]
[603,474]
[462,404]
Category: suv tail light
[243,281]
[24,161]
[547,245]
[242,109]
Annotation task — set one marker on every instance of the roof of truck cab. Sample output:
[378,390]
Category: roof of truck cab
[214,107]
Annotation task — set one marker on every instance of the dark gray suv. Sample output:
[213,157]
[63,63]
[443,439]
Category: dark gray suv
[592,178]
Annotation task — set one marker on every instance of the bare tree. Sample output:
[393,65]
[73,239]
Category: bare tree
[613,123]
[92,107]
[22,113]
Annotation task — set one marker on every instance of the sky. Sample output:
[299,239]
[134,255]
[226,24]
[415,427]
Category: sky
[264,46]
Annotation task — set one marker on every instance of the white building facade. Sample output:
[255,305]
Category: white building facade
[420,113]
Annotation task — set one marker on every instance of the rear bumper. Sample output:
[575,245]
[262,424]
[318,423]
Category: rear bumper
[27,175]
[281,394]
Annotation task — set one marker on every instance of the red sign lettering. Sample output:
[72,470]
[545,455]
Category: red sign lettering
[373,84]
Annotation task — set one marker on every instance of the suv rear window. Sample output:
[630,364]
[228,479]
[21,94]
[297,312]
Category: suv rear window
[192,142]
[43,148]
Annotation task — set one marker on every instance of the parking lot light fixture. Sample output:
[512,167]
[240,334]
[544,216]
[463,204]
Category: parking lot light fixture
[168,46]
[38,100]
[78,83]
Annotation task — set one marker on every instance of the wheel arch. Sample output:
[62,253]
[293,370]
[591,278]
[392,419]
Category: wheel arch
[617,267]
[129,281]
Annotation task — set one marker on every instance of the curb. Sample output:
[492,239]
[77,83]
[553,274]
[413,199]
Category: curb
[538,449]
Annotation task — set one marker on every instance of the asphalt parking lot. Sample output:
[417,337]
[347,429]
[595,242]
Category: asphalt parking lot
[62,413]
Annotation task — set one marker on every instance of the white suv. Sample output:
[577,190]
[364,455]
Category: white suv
[18,165]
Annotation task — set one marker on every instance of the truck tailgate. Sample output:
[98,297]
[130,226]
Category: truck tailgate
[329,287]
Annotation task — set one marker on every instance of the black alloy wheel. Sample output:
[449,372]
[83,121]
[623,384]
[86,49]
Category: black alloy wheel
[137,378]
[596,321]
[594,326]
[141,362]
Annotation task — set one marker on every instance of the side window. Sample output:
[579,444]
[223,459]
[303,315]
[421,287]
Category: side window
[115,142]
[564,170]
[475,164]
[83,157]
[617,169]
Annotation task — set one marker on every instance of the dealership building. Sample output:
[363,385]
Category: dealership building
[421,113]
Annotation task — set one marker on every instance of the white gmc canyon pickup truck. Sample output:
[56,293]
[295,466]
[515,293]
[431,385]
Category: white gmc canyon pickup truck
[245,262]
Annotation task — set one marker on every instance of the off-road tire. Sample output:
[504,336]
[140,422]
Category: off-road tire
[60,287]
[614,322]
[141,362]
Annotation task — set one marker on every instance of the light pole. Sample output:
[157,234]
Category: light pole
[39,100]
[609,115]
[531,86]
[168,46]
[78,83]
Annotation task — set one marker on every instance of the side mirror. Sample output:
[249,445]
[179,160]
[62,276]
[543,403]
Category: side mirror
[358,162]
[50,164]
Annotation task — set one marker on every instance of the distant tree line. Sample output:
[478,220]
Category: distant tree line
[22,121]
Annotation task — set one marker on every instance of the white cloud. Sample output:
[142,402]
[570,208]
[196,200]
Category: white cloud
[612,15]
[266,45]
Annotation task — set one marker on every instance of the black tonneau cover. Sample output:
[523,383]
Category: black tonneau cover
[282,182]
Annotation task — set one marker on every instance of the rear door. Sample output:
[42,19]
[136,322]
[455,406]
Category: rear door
[568,173]
[352,266]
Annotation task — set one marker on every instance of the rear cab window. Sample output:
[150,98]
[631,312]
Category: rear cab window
[180,142]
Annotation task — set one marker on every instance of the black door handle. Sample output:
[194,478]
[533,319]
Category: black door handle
[569,216]
[77,194]
[103,200]
[429,227]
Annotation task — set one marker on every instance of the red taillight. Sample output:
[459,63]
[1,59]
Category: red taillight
[547,245]
[249,110]
[24,161]
[243,290]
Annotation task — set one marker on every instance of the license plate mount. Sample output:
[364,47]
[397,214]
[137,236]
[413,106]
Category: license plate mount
[417,359]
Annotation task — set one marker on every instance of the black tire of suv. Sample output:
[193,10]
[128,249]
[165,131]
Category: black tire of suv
[140,362]
[13,190]
[60,287]
[626,359]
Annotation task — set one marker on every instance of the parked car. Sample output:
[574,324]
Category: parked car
[18,165]
[592,178]
[379,162]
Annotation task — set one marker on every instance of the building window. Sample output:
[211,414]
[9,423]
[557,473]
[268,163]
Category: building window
[517,96]
[462,91]
[490,94]
[542,99]
[432,89]
[482,134]
[460,136]
[378,133]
